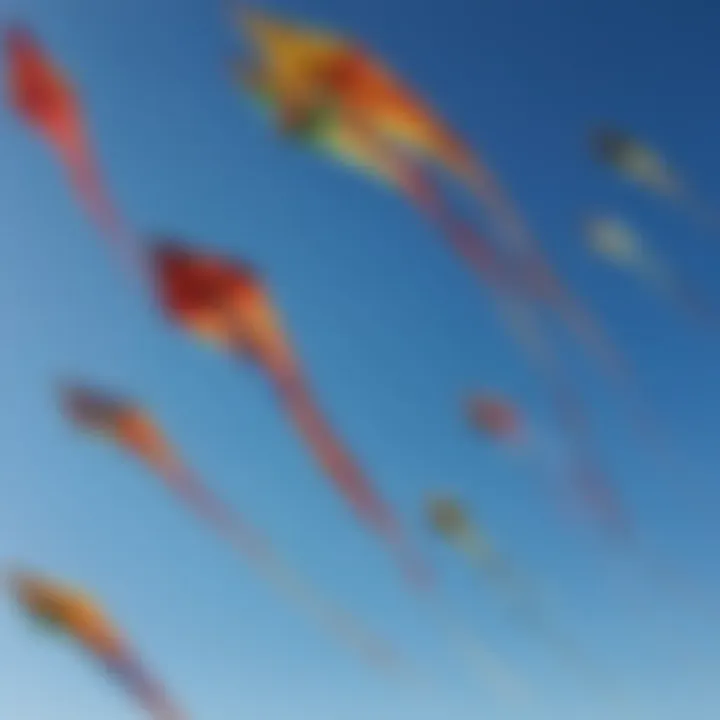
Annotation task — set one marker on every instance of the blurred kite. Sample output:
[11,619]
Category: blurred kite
[495,417]
[448,518]
[74,614]
[450,521]
[498,419]
[320,81]
[619,244]
[644,166]
[131,428]
[45,100]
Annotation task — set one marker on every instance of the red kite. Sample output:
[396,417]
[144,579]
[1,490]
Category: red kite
[133,430]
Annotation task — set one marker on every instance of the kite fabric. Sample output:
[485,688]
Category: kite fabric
[46,102]
[132,429]
[76,615]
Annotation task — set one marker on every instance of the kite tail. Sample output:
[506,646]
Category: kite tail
[217,513]
[87,182]
[259,552]
[537,272]
[474,249]
[344,471]
[141,686]
[592,484]
[486,665]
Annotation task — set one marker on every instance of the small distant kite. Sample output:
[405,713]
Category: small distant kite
[74,614]
[450,521]
[495,417]
[331,92]
[644,166]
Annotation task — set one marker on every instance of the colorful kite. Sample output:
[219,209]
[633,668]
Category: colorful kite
[44,99]
[225,303]
[130,427]
[321,80]
[76,615]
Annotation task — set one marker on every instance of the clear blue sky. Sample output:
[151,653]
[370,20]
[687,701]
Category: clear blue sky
[392,331]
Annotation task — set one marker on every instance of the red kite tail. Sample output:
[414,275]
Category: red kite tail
[342,468]
[474,249]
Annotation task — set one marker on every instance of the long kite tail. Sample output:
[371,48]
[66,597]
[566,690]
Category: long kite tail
[525,327]
[537,274]
[300,592]
[87,181]
[140,685]
[344,470]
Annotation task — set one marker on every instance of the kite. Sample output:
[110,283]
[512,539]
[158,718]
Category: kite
[317,75]
[225,303]
[45,100]
[647,168]
[77,616]
[635,161]
[345,140]
[132,429]
[495,417]
[615,241]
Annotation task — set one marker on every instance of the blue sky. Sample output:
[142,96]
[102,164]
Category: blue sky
[392,331]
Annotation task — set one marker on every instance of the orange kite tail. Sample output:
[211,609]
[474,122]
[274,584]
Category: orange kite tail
[344,470]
